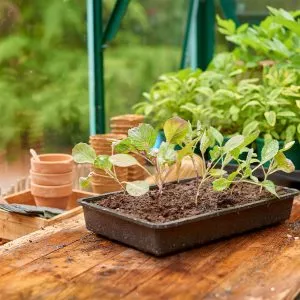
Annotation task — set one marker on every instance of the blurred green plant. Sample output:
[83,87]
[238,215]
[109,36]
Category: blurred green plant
[44,72]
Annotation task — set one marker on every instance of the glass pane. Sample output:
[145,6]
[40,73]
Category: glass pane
[148,44]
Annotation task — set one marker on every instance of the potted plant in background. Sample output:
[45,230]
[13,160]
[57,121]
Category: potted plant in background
[170,217]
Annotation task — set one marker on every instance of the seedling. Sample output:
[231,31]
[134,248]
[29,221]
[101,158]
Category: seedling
[178,132]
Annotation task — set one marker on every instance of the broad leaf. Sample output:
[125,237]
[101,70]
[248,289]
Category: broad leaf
[123,160]
[123,146]
[137,188]
[175,130]
[216,135]
[270,117]
[142,137]
[233,143]
[269,186]
[83,153]
[102,162]
[221,184]
[269,150]
[166,154]
[283,163]
[215,153]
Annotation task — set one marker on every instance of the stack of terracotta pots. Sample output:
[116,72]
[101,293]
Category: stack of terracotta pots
[51,179]
[101,182]
[121,124]
[102,143]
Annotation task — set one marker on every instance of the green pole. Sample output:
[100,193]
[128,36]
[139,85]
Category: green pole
[205,33]
[95,56]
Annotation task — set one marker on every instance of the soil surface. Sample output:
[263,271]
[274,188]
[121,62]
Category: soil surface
[178,201]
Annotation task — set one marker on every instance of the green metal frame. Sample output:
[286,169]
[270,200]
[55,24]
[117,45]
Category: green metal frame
[97,42]
[198,45]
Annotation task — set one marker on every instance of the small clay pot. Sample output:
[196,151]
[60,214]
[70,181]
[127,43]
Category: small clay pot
[52,164]
[127,119]
[51,179]
[106,138]
[53,196]
[61,202]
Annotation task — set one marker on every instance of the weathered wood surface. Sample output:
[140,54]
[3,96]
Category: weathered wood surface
[65,261]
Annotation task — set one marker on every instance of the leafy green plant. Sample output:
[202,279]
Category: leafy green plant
[276,38]
[140,141]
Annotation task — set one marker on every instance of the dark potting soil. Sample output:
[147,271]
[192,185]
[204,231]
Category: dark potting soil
[178,201]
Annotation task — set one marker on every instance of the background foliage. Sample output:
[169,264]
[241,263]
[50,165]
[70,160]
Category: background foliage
[44,73]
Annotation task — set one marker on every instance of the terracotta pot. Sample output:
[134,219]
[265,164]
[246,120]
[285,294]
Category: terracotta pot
[51,179]
[127,119]
[52,164]
[52,196]
[106,138]
[61,202]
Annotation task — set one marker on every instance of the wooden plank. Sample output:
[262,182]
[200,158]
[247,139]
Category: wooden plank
[26,249]
[81,265]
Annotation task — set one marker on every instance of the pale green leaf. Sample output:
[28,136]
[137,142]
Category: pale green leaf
[204,142]
[249,128]
[83,153]
[269,150]
[102,162]
[137,188]
[269,186]
[288,146]
[221,184]
[217,172]
[270,117]
[284,164]
[142,137]
[123,160]
[166,154]
[233,143]
[84,181]
[298,103]
[175,130]
[216,135]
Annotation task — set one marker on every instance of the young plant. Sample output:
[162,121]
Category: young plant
[221,155]
[141,140]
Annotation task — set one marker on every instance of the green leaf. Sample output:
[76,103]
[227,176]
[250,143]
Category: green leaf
[254,179]
[269,186]
[83,153]
[123,160]
[287,146]
[123,146]
[142,137]
[84,181]
[221,184]
[283,163]
[298,103]
[215,153]
[185,151]
[216,135]
[269,150]
[175,130]
[232,175]
[204,142]
[290,132]
[137,188]
[217,172]
[233,143]
[249,128]
[102,162]
[166,154]
[270,117]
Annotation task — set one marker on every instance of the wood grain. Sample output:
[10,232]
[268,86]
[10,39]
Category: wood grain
[65,261]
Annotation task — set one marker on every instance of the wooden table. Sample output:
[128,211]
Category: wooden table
[65,261]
